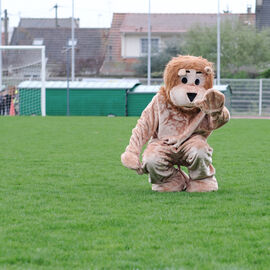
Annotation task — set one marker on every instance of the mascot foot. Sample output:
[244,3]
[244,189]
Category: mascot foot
[204,185]
[177,183]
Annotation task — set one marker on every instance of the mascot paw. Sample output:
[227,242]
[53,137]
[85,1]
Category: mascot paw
[131,161]
[212,102]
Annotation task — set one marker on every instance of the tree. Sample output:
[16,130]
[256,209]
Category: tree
[244,50]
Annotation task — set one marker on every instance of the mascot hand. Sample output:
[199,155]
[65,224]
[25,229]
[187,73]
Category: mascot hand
[172,141]
[212,102]
[132,161]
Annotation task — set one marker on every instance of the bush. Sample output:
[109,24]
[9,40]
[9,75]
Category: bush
[265,74]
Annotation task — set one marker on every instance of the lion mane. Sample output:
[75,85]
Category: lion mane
[171,77]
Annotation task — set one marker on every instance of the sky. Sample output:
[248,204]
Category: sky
[98,13]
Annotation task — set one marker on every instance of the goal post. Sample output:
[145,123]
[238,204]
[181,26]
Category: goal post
[19,65]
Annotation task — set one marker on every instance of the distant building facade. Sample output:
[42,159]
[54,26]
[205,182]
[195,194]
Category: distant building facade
[128,41]
[262,13]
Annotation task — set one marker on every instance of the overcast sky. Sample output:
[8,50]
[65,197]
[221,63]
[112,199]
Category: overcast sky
[98,13]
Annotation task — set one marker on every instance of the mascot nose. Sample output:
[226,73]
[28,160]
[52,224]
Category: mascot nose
[191,96]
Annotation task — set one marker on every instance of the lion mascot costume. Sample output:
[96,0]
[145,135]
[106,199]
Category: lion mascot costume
[177,123]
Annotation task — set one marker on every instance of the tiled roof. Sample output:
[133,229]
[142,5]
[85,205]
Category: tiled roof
[91,42]
[174,23]
[47,22]
[114,40]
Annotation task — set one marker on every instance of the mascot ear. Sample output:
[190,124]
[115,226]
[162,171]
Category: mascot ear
[208,70]
[182,72]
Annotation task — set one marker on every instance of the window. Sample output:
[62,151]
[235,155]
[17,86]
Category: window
[154,45]
[37,41]
[70,42]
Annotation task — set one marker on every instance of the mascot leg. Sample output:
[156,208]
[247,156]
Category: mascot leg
[197,156]
[163,176]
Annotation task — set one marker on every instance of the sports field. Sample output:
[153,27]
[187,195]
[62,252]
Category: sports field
[66,202]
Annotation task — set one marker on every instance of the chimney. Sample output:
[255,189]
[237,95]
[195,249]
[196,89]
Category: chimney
[56,17]
[248,9]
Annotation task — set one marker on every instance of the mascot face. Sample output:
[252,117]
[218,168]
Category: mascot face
[187,78]
[189,89]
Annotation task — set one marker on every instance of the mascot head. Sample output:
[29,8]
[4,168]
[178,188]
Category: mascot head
[186,79]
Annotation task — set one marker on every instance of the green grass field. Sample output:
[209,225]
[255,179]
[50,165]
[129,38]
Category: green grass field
[66,202]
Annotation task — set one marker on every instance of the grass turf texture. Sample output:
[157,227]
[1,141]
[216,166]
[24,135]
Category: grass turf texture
[66,202]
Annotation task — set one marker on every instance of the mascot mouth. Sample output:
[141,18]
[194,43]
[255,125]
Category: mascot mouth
[191,96]
[188,108]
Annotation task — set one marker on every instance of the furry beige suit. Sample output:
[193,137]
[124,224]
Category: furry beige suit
[177,122]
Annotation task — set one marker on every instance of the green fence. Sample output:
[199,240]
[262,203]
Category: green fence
[102,97]
[86,102]
[92,99]
[137,102]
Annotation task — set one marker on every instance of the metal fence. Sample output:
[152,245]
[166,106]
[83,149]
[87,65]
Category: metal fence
[250,97]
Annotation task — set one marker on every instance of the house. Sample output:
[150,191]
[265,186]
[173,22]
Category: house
[90,44]
[128,41]
[262,13]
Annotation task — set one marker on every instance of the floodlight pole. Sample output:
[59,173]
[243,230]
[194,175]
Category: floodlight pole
[67,67]
[149,46]
[72,46]
[1,45]
[218,44]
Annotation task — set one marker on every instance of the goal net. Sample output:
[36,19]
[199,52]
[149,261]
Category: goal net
[20,65]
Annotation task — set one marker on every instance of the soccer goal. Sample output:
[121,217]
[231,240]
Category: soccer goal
[20,65]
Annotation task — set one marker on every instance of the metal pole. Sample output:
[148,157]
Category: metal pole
[260,97]
[1,45]
[72,47]
[67,82]
[149,46]
[218,44]
[6,27]
[43,79]
[126,103]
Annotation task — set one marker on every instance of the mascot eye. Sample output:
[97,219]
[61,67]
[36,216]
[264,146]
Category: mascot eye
[197,81]
[184,80]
